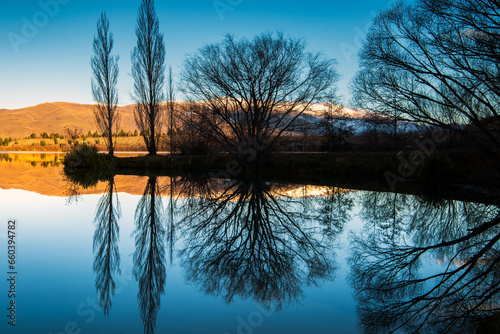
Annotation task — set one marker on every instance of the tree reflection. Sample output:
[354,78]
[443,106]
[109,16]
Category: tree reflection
[149,255]
[456,290]
[171,219]
[246,239]
[106,236]
[335,209]
[384,213]
[184,191]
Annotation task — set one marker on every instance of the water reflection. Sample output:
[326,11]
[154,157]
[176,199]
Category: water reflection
[335,210]
[245,239]
[383,213]
[106,253]
[426,267]
[172,217]
[415,266]
[34,159]
[149,256]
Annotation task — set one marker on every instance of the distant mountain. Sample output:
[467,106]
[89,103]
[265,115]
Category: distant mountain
[318,109]
[54,117]
[358,121]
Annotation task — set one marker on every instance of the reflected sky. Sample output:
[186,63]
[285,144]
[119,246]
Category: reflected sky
[197,255]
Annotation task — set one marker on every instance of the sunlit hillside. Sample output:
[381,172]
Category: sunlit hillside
[54,117]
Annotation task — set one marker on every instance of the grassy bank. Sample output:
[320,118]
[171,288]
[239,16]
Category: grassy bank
[433,172]
[62,145]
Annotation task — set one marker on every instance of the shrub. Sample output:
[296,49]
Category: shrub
[33,136]
[85,166]
[87,157]
[43,143]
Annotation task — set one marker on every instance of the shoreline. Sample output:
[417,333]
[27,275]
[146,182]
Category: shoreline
[434,175]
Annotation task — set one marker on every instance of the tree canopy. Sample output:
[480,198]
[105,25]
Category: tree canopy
[435,62]
[250,91]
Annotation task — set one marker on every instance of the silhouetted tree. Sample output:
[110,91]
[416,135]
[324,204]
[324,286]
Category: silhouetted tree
[106,237]
[171,109]
[104,90]
[149,255]
[336,128]
[435,62]
[251,91]
[148,71]
[193,139]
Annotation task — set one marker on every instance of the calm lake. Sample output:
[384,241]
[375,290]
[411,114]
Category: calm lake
[190,254]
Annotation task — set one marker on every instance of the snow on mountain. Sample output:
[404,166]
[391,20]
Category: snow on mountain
[357,120]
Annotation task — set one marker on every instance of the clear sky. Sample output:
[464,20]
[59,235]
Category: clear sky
[46,45]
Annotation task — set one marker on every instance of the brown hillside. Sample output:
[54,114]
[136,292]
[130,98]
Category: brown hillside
[54,117]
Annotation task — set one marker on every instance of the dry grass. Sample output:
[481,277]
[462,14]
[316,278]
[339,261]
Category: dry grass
[123,144]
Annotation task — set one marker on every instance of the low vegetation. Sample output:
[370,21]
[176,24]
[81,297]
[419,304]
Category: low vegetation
[85,157]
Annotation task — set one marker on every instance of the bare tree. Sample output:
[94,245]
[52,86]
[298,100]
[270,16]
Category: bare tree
[104,90]
[435,62]
[336,128]
[193,138]
[72,134]
[148,71]
[251,91]
[171,107]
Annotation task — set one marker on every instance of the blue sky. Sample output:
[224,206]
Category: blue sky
[46,44]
